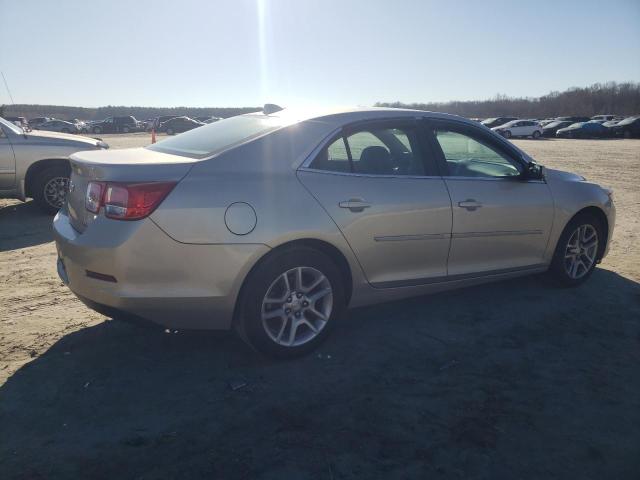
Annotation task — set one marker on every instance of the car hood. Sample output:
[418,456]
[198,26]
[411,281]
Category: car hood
[562,176]
[42,136]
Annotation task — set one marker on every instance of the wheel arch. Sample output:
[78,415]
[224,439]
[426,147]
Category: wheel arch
[35,168]
[599,214]
[323,246]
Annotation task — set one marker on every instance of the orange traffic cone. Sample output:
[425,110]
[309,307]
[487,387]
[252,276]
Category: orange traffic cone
[153,135]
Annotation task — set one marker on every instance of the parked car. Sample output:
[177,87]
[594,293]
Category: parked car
[19,121]
[207,119]
[59,126]
[603,118]
[583,130]
[116,125]
[497,121]
[573,119]
[627,128]
[550,129]
[158,121]
[36,164]
[273,224]
[36,122]
[547,121]
[519,128]
[179,125]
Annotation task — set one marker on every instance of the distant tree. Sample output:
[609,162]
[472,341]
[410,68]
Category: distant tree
[600,98]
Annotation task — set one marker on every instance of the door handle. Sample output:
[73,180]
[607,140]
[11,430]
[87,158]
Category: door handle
[470,205]
[355,204]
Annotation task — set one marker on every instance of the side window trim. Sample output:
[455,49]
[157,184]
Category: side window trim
[474,133]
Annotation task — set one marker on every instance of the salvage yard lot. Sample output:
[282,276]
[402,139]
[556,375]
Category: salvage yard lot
[517,379]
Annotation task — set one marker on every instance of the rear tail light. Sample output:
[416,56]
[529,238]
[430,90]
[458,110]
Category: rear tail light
[126,201]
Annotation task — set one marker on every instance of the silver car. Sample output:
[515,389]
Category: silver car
[273,223]
[36,164]
[58,126]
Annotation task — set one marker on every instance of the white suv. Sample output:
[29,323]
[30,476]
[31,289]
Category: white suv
[519,128]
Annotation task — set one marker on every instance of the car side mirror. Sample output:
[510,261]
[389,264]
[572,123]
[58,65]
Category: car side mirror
[533,171]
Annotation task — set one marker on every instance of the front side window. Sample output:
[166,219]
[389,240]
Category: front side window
[383,150]
[468,156]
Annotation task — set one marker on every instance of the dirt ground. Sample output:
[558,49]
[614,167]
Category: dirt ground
[511,380]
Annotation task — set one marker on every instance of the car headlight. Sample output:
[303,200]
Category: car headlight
[101,144]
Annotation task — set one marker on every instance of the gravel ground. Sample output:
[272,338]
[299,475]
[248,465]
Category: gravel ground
[510,380]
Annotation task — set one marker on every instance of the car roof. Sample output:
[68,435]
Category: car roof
[343,115]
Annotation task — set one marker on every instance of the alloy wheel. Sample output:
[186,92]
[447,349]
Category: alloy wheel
[55,191]
[581,251]
[297,306]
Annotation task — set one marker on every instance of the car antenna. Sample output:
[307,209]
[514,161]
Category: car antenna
[270,108]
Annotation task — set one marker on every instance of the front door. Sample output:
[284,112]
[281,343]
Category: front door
[500,221]
[390,204]
[7,163]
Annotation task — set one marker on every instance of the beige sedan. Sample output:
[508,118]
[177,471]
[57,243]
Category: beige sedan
[273,223]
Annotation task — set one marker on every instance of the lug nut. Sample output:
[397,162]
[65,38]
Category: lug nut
[287,311]
[288,299]
[305,304]
[299,295]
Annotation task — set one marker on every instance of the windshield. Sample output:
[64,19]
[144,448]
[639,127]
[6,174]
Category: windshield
[489,120]
[576,125]
[215,137]
[628,120]
[12,126]
[553,124]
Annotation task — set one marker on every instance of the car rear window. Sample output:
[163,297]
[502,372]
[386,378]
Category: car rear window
[215,137]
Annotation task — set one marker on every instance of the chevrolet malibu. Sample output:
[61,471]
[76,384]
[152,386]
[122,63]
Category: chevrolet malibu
[273,223]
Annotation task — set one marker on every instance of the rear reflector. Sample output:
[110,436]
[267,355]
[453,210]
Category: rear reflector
[101,276]
[126,201]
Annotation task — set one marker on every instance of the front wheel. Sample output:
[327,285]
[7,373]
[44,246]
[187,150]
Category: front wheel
[577,251]
[97,130]
[290,302]
[50,188]
[507,134]
[536,135]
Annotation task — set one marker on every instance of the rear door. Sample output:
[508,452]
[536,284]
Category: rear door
[500,221]
[7,163]
[376,181]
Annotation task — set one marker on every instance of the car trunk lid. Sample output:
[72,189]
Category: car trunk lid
[128,165]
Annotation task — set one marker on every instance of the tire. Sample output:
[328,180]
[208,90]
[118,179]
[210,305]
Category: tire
[97,130]
[46,188]
[170,131]
[267,280]
[507,134]
[561,264]
[536,135]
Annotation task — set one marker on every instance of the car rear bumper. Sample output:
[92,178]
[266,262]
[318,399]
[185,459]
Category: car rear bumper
[134,267]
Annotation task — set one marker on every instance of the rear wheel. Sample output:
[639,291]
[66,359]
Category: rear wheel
[290,302]
[507,134]
[577,251]
[50,188]
[536,135]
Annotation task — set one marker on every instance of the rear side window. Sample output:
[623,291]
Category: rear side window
[215,137]
[382,150]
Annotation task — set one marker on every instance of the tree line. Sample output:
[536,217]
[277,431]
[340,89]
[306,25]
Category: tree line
[600,98]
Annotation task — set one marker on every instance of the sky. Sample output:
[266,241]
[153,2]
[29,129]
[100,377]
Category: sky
[340,52]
